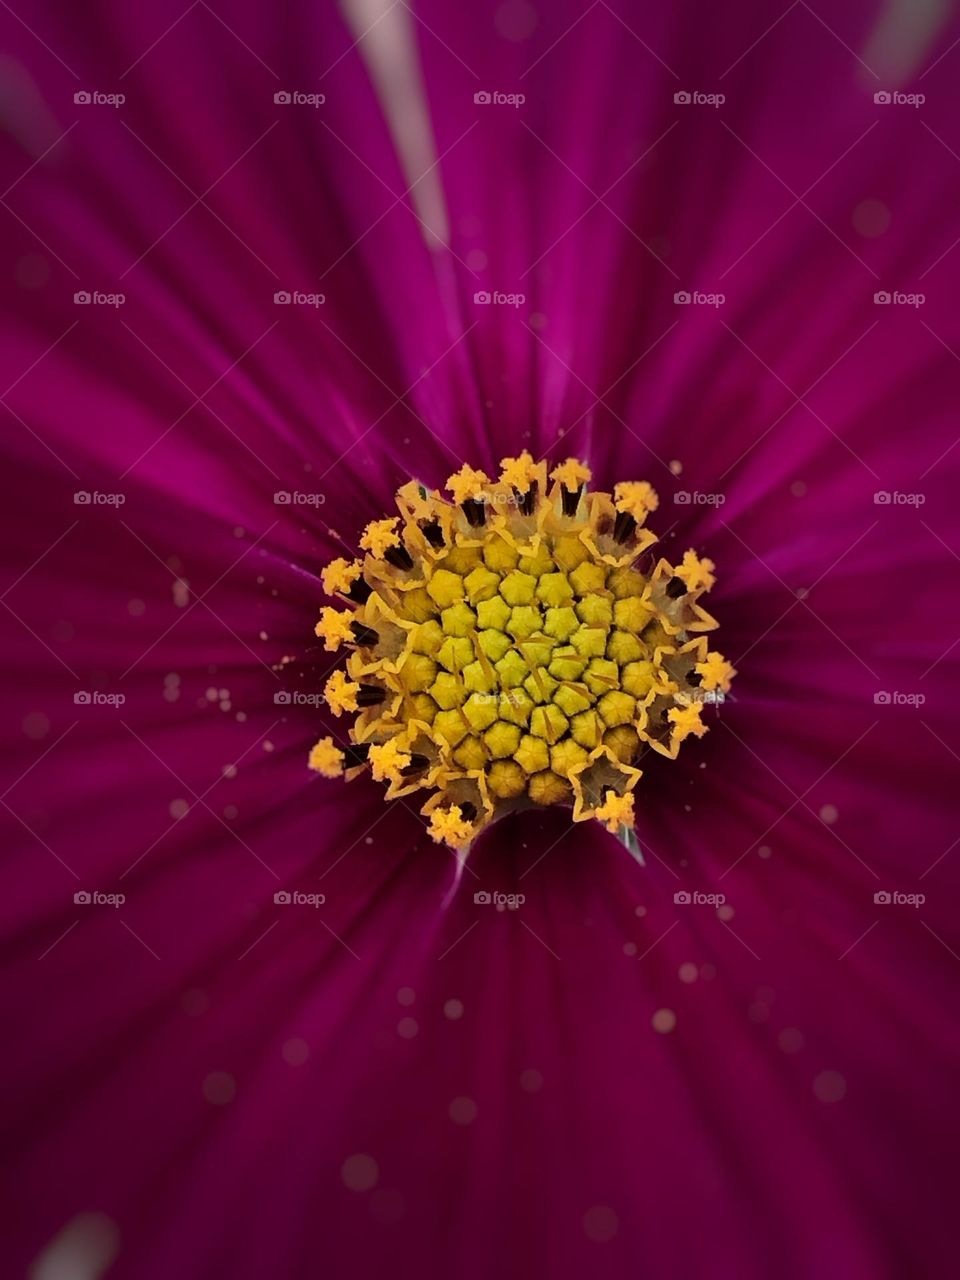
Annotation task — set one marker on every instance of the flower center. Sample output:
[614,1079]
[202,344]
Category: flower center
[516,646]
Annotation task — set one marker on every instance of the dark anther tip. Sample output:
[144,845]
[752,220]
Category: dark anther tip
[676,588]
[399,557]
[433,533]
[476,512]
[623,526]
[360,591]
[364,635]
[370,695]
[571,499]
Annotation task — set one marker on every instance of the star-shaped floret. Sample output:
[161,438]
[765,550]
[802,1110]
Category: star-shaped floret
[466,484]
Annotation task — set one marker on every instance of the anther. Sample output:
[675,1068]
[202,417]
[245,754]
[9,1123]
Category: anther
[399,557]
[370,695]
[676,588]
[364,635]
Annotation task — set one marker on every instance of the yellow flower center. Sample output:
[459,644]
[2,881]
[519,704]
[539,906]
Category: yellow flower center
[517,647]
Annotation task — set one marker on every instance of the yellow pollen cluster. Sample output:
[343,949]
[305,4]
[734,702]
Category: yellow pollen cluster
[519,646]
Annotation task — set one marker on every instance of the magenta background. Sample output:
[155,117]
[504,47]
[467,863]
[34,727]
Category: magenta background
[710,1145]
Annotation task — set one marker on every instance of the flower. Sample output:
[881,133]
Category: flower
[693,286]
[522,657]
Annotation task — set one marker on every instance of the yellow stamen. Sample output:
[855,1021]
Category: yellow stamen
[341,694]
[340,575]
[572,474]
[518,472]
[334,628]
[637,498]
[616,811]
[466,484]
[326,759]
[379,536]
[448,826]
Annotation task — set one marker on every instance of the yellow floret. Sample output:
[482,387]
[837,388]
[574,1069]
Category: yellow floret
[341,694]
[387,759]
[636,497]
[415,605]
[601,676]
[590,642]
[561,623]
[626,582]
[493,643]
[516,706]
[478,678]
[456,652]
[511,670]
[532,754]
[471,754]
[326,759]
[340,575]
[638,678]
[716,672]
[569,551]
[447,691]
[424,708]
[379,536]
[567,755]
[624,742]
[448,826]
[451,726]
[686,721]
[481,584]
[524,621]
[588,578]
[547,788]
[518,472]
[622,647]
[595,611]
[445,588]
[696,573]
[466,483]
[548,722]
[540,562]
[461,560]
[506,779]
[571,474]
[500,556]
[566,664]
[616,708]
[631,614]
[418,672]
[334,628]
[502,739]
[587,729]
[492,614]
[427,638]
[572,700]
[540,684]
[458,620]
[518,588]
[554,589]
[480,711]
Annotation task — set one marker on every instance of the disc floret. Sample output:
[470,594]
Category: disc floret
[517,646]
